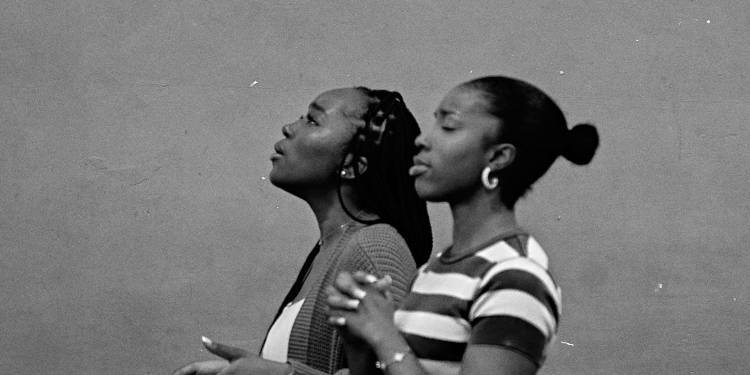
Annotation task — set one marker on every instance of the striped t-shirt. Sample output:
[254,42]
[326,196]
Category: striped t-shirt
[502,294]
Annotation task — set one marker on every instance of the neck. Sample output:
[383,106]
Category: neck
[477,220]
[329,213]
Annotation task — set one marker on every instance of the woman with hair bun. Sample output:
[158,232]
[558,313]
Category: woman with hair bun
[487,304]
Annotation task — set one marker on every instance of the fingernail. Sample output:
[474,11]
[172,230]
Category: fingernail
[371,278]
[353,304]
[206,341]
[338,321]
[359,293]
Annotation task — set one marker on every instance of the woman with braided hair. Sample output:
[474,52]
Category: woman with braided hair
[487,304]
[348,157]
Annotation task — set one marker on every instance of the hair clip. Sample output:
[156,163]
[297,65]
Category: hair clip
[379,122]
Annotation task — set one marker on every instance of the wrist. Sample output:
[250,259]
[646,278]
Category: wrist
[397,356]
[388,347]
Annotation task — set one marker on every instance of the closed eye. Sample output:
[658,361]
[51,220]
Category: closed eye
[308,119]
[444,122]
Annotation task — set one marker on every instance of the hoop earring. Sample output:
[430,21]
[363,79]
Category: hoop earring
[489,183]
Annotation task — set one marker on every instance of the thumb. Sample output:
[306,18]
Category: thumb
[383,284]
[230,353]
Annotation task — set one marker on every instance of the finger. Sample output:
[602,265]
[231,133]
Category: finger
[337,300]
[364,277]
[186,370]
[332,291]
[342,303]
[228,352]
[203,368]
[347,285]
[232,369]
[339,321]
[383,284]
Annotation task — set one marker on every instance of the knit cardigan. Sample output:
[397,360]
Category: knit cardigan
[315,347]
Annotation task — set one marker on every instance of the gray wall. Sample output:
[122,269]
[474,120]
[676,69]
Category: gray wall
[135,135]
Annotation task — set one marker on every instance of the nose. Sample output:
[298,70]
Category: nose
[421,141]
[286,130]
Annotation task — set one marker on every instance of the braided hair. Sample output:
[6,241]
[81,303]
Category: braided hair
[387,142]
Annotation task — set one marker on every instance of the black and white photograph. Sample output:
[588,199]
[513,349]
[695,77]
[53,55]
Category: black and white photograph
[398,187]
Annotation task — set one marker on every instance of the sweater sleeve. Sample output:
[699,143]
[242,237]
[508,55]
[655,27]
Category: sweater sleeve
[376,249]
[303,369]
[380,250]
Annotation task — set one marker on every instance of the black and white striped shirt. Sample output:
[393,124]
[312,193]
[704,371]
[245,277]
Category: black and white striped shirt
[501,294]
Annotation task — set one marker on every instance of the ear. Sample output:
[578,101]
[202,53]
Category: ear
[347,173]
[501,156]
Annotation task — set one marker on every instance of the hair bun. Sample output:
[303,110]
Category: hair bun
[581,145]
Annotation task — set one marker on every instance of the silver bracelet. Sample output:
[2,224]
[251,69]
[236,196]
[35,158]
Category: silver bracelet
[396,358]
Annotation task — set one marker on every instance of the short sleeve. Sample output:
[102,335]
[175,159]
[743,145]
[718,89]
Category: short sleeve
[516,307]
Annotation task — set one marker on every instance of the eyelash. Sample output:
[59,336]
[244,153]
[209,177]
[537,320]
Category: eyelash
[308,119]
[444,124]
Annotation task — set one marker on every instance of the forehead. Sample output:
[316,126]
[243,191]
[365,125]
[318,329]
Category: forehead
[464,100]
[469,107]
[347,101]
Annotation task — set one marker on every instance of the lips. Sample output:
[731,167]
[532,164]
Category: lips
[419,167]
[278,151]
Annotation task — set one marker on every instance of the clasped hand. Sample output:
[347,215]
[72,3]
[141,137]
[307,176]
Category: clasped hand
[362,304]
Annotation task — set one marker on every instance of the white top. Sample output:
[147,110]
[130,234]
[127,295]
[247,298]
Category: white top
[277,341]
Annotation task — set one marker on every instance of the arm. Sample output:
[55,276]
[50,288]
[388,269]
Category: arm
[360,355]
[245,364]
[512,321]
[384,254]
[372,322]
[300,368]
[488,359]
[377,249]
[237,361]
[477,360]
[367,315]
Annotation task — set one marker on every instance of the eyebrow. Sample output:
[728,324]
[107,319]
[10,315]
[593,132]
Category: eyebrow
[444,112]
[317,107]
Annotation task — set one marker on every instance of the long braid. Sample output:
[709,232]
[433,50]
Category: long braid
[387,141]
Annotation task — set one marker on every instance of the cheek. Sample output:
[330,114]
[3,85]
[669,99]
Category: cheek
[454,169]
[323,155]
[317,156]
[459,158]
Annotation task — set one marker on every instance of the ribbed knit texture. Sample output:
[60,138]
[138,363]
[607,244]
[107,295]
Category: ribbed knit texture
[315,347]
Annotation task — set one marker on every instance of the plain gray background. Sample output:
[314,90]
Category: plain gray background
[135,215]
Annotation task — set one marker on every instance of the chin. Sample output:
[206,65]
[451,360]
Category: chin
[274,178]
[285,182]
[428,193]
